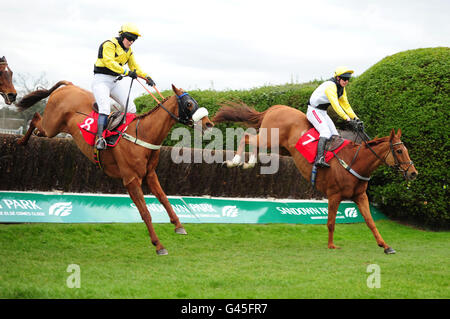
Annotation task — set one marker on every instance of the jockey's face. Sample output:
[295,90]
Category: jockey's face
[343,81]
[127,43]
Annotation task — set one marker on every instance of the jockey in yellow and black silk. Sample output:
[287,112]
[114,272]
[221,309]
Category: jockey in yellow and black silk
[112,56]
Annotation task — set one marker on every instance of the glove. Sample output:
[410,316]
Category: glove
[150,81]
[132,74]
[358,124]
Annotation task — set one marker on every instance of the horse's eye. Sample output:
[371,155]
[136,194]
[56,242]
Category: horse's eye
[399,151]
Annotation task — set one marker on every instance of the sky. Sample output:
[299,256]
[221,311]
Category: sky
[218,44]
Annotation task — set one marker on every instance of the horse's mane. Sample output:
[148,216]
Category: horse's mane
[141,116]
[373,142]
[378,140]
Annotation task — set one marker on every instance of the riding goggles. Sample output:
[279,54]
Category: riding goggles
[130,36]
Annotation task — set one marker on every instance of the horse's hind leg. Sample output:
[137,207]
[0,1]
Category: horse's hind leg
[252,140]
[36,123]
[247,139]
[363,204]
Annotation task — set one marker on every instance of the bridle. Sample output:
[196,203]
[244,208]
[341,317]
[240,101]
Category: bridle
[6,65]
[4,95]
[397,163]
[185,116]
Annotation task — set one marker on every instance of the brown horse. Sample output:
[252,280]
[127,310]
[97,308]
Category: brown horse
[129,161]
[335,182]
[7,90]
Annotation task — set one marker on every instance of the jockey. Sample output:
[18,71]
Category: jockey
[331,92]
[112,56]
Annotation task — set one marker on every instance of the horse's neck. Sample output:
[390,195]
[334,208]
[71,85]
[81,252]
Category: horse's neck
[367,161]
[155,127]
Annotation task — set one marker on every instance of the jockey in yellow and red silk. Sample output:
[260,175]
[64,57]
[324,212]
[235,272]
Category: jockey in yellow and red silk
[331,92]
[112,56]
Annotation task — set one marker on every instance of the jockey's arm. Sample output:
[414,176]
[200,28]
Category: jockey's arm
[343,102]
[331,93]
[132,64]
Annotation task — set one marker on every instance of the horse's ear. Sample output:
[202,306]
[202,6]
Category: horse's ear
[177,91]
[399,133]
[391,137]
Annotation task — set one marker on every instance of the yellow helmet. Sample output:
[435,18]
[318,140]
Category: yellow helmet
[341,70]
[129,28]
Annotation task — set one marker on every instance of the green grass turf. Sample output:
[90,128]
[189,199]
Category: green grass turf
[221,261]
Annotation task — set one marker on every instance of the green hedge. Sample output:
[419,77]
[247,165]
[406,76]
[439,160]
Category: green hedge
[410,90]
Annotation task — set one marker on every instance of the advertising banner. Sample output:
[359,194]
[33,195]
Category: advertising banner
[30,207]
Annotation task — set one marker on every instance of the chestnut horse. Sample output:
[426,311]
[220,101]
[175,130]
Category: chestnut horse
[7,90]
[129,161]
[335,182]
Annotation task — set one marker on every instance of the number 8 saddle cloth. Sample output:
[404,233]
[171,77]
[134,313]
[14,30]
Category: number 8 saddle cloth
[112,135]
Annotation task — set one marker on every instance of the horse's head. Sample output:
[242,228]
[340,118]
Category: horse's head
[7,90]
[398,156]
[189,112]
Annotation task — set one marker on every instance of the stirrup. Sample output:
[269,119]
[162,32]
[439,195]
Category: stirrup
[100,144]
[321,163]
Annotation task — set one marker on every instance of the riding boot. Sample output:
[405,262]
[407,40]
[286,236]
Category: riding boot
[100,144]
[320,157]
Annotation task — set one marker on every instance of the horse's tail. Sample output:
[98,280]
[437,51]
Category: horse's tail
[239,113]
[35,96]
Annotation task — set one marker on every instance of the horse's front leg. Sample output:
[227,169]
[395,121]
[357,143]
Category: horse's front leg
[135,190]
[363,204]
[333,205]
[156,189]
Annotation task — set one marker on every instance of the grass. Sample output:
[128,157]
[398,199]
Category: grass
[218,261]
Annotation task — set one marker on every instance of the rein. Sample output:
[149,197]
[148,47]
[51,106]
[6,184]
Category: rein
[176,118]
[365,138]
[397,163]
[181,110]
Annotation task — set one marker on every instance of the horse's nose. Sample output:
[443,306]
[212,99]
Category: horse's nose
[413,175]
[12,96]
[209,125]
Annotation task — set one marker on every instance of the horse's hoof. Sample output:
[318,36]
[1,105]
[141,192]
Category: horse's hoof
[181,231]
[248,165]
[231,164]
[389,251]
[162,252]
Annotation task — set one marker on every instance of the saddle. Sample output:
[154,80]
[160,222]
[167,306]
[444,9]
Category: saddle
[114,119]
[334,143]
[114,128]
[307,145]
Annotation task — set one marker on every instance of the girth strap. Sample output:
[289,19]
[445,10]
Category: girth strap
[351,170]
[137,141]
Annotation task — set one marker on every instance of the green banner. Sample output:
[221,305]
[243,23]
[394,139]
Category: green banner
[29,207]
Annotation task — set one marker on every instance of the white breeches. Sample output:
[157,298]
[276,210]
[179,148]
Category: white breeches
[104,87]
[322,122]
